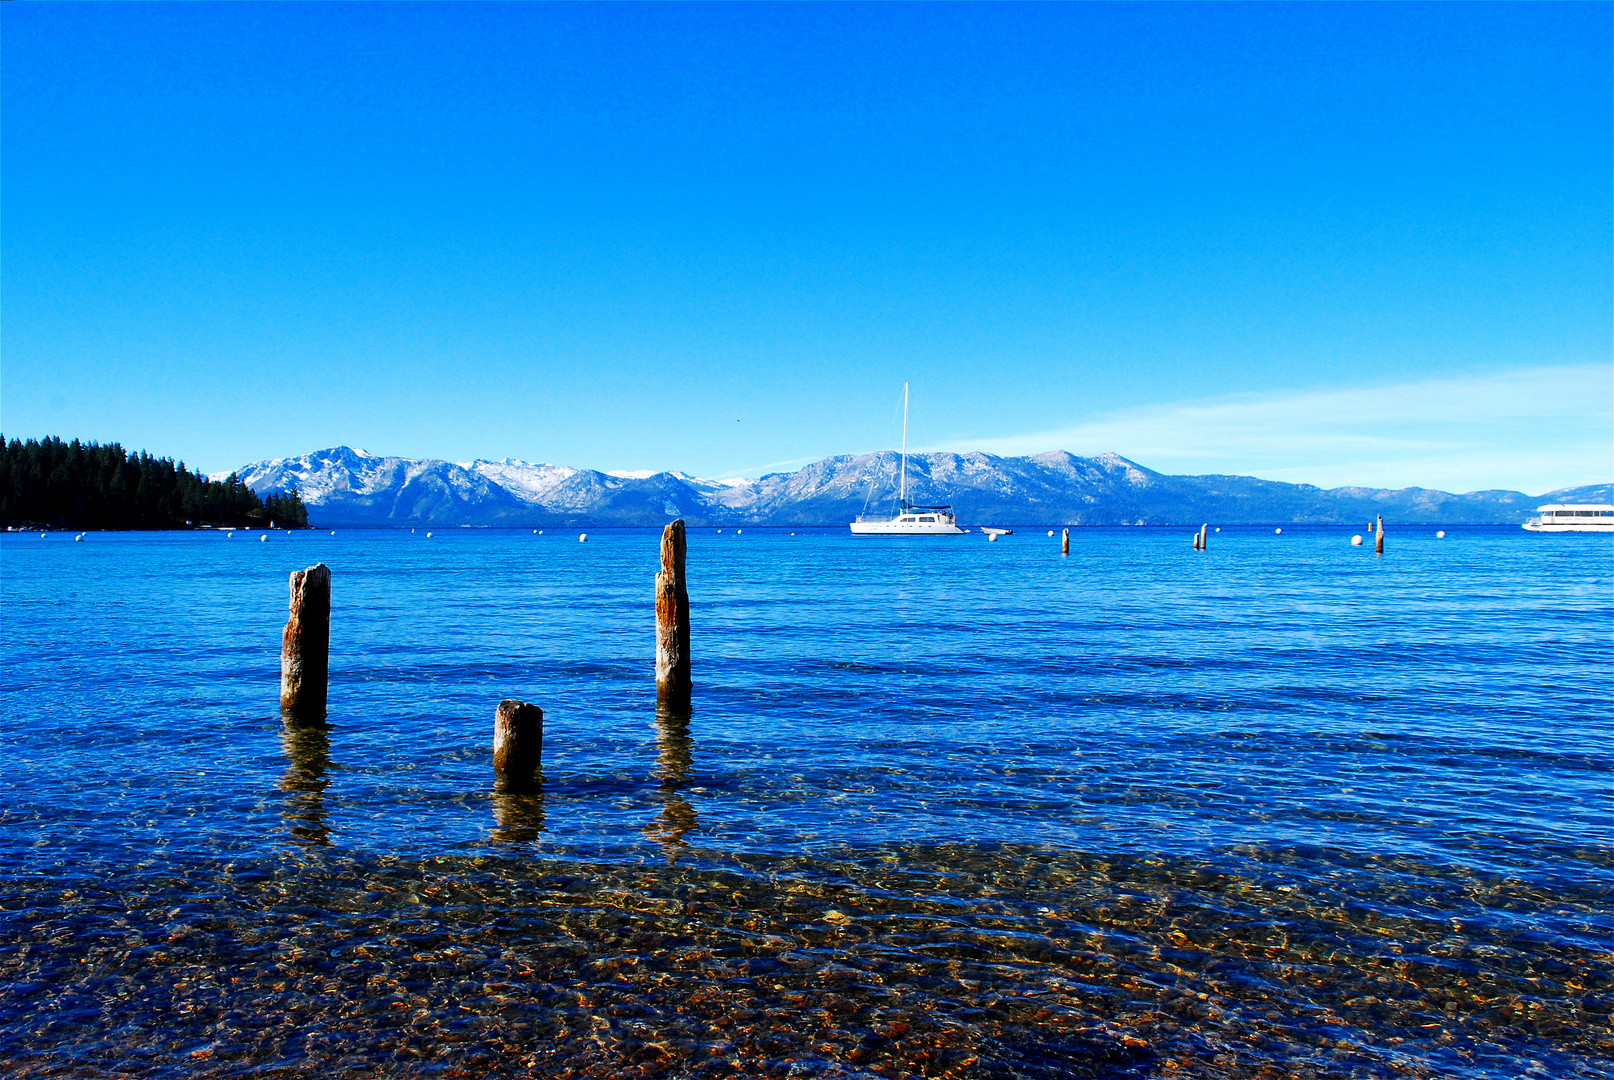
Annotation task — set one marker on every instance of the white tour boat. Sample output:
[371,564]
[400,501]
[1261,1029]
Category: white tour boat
[910,520]
[1573,517]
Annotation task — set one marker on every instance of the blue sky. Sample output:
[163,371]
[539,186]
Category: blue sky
[1341,244]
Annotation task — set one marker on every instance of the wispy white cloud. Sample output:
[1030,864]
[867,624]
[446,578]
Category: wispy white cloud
[1530,429]
[754,471]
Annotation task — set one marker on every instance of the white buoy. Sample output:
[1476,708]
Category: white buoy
[1050,532]
[229,536]
[535,532]
[264,539]
[1356,541]
[992,537]
[720,532]
[737,532]
[333,532]
[582,538]
[1218,528]
[1441,535]
[79,538]
[42,536]
[428,536]
[1277,530]
[540,532]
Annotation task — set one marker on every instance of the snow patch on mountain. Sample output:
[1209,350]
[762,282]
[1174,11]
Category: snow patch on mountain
[527,480]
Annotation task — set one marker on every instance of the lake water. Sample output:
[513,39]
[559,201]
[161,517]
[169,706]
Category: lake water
[941,807]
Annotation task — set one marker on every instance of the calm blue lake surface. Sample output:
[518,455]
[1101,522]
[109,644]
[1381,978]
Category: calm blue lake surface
[941,806]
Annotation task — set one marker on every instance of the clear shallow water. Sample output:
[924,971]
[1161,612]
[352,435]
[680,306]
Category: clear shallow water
[942,807]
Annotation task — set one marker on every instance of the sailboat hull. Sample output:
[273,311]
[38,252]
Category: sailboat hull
[906,528]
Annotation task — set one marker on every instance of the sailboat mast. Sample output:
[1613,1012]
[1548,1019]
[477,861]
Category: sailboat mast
[902,489]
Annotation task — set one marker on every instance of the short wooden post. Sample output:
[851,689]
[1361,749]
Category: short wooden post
[1378,545]
[305,647]
[1064,544]
[518,745]
[672,618]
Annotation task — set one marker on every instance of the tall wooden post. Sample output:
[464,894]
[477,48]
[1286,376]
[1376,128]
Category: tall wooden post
[1064,544]
[1204,536]
[672,618]
[518,745]
[305,647]
[1378,545]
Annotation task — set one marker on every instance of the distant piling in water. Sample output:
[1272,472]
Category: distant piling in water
[1378,545]
[673,682]
[518,745]
[305,647]
[1064,544]
[1204,537]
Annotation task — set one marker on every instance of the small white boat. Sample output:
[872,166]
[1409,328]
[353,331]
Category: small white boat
[995,533]
[1573,517]
[910,520]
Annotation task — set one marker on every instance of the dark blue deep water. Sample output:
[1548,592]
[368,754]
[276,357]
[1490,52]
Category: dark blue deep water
[942,807]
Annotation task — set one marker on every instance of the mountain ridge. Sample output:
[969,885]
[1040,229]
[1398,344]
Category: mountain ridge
[348,487]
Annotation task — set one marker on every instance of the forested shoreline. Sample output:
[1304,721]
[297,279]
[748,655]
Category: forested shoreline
[48,483]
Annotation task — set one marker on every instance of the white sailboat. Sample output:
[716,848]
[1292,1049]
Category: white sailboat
[910,520]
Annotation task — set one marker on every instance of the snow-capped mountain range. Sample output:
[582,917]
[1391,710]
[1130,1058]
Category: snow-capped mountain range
[343,486]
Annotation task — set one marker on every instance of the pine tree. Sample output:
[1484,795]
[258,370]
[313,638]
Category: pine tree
[89,486]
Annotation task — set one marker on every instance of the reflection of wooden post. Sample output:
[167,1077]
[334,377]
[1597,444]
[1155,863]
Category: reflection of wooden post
[674,745]
[305,647]
[518,816]
[518,745]
[672,618]
[1378,545]
[308,748]
[676,760]
[1064,544]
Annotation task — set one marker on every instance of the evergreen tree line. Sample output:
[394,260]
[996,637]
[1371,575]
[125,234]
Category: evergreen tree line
[74,485]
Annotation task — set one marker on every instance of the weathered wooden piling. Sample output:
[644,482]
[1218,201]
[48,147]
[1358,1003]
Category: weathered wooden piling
[518,745]
[1064,544]
[1378,545]
[1204,537]
[672,618]
[305,647]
